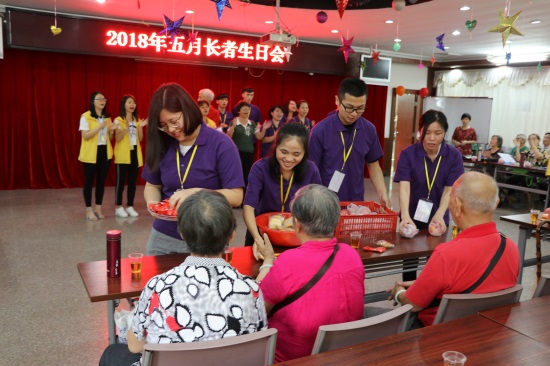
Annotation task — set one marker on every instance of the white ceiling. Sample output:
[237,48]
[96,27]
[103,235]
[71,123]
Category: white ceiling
[418,24]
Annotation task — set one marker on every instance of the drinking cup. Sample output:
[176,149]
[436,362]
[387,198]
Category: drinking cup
[135,262]
[355,238]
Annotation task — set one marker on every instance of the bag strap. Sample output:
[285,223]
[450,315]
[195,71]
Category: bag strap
[492,264]
[295,296]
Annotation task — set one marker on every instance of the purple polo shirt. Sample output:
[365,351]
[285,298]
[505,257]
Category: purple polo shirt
[410,168]
[226,118]
[265,147]
[264,191]
[327,152]
[307,122]
[254,116]
[216,165]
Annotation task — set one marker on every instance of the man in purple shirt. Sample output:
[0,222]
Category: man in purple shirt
[248,95]
[342,143]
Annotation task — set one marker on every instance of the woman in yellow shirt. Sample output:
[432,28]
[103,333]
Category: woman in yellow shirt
[128,156]
[205,107]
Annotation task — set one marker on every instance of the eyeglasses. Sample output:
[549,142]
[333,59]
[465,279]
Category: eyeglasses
[351,109]
[171,124]
[101,99]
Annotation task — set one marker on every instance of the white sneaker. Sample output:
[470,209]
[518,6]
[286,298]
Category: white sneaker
[131,212]
[120,212]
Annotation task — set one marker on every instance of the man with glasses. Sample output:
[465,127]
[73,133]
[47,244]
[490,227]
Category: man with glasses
[342,143]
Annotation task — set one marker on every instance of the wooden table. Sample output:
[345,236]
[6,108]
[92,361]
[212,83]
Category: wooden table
[484,342]
[525,230]
[528,318]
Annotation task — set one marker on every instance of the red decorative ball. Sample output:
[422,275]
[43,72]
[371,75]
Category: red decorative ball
[322,17]
[424,92]
[400,90]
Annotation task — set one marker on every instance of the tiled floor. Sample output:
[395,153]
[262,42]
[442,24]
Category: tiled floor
[47,318]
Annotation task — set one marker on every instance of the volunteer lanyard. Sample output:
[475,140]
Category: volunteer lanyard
[188,165]
[224,117]
[431,184]
[346,154]
[283,200]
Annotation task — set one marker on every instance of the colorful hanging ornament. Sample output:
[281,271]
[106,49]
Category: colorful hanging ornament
[400,90]
[375,56]
[433,60]
[172,28]
[288,53]
[539,68]
[440,44]
[420,64]
[346,47]
[363,66]
[54,28]
[506,26]
[398,5]
[220,5]
[341,6]
[471,24]
[508,57]
[322,17]
[396,46]
[191,36]
[424,92]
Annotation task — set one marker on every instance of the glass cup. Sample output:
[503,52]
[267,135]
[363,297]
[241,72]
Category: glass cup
[534,216]
[453,358]
[135,262]
[355,238]
[228,254]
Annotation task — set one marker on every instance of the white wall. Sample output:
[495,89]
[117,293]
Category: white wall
[408,76]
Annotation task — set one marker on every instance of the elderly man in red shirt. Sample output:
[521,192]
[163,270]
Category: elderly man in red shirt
[457,265]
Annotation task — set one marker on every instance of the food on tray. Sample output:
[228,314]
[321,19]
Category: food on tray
[163,209]
[288,224]
[378,249]
[384,244]
[278,222]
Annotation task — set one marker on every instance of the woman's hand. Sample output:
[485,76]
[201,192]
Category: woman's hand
[143,122]
[114,126]
[438,220]
[267,124]
[405,222]
[258,241]
[265,249]
[179,196]
[516,142]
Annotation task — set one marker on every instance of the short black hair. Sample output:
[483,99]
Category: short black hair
[432,116]
[222,96]
[92,106]
[352,86]
[123,106]
[286,131]
[466,115]
[272,109]
[499,140]
[240,105]
[248,89]
[203,102]
[206,222]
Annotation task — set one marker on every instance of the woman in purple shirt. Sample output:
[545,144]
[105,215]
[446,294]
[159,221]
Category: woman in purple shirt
[286,170]
[276,113]
[303,110]
[184,156]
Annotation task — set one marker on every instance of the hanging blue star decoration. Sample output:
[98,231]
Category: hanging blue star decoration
[508,57]
[220,5]
[439,40]
[173,29]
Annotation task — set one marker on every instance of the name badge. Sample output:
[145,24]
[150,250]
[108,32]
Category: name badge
[336,181]
[423,210]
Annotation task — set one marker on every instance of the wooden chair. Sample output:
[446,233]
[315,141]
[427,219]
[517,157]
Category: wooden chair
[335,336]
[538,239]
[461,305]
[249,349]
[543,287]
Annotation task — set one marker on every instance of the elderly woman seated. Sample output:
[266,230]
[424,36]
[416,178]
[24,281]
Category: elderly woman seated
[204,298]
[337,297]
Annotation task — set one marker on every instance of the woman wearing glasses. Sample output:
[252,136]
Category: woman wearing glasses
[184,156]
[95,152]
[128,156]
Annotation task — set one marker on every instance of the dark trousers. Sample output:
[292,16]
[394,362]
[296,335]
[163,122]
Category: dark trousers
[118,354]
[130,171]
[247,159]
[97,172]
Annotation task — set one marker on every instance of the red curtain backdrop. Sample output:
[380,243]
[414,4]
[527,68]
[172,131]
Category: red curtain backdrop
[43,95]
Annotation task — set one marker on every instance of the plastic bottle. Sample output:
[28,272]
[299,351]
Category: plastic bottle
[113,253]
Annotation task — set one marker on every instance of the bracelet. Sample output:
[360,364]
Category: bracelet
[396,298]
[264,266]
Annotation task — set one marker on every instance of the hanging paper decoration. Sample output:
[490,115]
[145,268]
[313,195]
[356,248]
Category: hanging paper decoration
[172,28]
[440,44]
[398,5]
[363,66]
[424,92]
[433,60]
[400,90]
[420,65]
[288,53]
[220,5]
[191,36]
[539,68]
[322,17]
[396,46]
[471,24]
[508,57]
[341,6]
[346,47]
[375,57]
[54,28]
[506,26]
[138,5]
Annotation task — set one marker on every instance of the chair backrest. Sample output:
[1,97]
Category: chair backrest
[250,349]
[461,305]
[543,287]
[335,336]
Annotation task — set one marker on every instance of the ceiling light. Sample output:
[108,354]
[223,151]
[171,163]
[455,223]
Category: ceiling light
[189,12]
[389,21]
[456,33]
[465,8]
[269,22]
[397,40]
[101,1]
[334,31]
[536,21]
[516,59]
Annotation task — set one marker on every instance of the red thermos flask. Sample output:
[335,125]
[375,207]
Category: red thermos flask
[113,253]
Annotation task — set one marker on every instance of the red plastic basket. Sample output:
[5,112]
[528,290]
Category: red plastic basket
[366,224]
